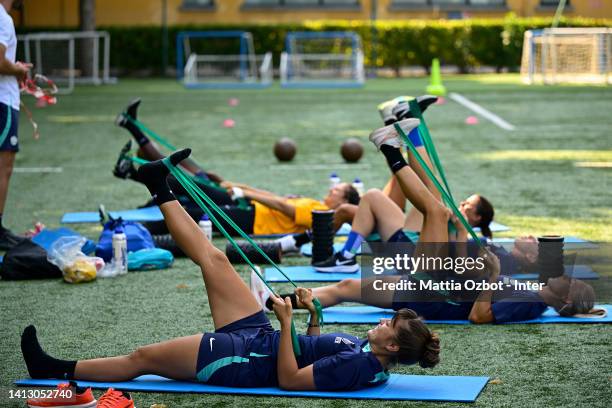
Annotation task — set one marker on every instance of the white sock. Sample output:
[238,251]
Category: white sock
[287,243]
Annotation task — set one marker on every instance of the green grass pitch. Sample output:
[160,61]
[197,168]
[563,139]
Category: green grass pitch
[529,174]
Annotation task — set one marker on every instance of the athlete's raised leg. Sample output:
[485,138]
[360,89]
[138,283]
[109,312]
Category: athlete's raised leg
[229,297]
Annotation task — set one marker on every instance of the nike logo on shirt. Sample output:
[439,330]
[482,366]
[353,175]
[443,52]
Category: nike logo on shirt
[211,341]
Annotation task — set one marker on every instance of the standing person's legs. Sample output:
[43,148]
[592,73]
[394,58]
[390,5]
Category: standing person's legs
[229,297]
[7,161]
[9,146]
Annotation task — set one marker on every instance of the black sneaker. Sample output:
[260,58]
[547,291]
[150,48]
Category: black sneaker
[8,240]
[402,109]
[337,263]
[124,167]
[131,110]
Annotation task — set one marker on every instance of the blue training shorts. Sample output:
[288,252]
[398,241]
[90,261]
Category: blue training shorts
[229,344]
[9,123]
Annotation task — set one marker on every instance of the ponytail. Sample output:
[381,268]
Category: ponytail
[486,212]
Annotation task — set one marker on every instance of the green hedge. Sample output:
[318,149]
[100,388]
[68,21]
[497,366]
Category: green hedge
[464,43]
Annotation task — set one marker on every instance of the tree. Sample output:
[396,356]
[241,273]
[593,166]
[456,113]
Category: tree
[87,22]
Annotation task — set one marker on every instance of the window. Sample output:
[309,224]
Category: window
[303,3]
[198,4]
[463,3]
[552,3]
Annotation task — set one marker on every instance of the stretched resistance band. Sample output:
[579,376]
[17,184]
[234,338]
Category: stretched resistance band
[445,195]
[204,202]
[415,109]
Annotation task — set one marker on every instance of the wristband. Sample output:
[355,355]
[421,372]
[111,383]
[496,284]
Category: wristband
[312,325]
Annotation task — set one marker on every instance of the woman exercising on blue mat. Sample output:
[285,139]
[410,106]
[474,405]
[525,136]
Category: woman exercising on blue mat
[244,350]
[266,213]
[567,296]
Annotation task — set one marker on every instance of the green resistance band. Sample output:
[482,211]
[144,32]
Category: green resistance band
[429,144]
[242,202]
[445,195]
[200,197]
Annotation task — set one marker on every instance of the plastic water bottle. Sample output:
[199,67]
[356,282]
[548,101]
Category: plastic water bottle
[120,251]
[334,180]
[206,226]
[358,185]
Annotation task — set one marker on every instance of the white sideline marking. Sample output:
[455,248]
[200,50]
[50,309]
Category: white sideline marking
[594,165]
[319,166]
[462,100]
[38,169]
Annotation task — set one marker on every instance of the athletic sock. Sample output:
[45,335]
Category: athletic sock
[140,137]
[301,239]
[292,296]
[352,244]
[287,243]
[415,137]
[154,174]
[39,363]
[394,156]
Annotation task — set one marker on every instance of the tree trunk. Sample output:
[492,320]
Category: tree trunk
[85,47]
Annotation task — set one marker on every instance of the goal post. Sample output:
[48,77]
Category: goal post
[326,59]
[221,59]
[69,58]
[567,55]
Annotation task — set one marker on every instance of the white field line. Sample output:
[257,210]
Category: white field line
[38,169]
[462,100]
[319,166]
[594,165]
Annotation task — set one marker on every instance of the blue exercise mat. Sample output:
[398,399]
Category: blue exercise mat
[307,273]
[47,237]
[575,271]
[569,243]
[342,231]
[398,387]
[138,214]
[372,315]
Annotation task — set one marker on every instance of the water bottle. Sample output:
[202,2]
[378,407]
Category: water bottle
[334,180]
[358,185]
[120,250]
[206,226]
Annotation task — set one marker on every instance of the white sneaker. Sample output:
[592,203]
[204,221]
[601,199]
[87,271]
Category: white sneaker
[388,135]
[260,291]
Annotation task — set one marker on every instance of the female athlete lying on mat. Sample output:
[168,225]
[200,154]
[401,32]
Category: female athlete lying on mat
[272,214]
[267,214]
[244,350]
[567,296]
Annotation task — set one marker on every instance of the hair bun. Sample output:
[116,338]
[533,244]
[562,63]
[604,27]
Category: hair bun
[431,352]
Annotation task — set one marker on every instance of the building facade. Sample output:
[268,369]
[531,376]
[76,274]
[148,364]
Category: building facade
[64,13]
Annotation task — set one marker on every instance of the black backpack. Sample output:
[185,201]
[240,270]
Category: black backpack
[28,260]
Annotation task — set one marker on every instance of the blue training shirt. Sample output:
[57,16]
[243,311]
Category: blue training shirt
[507,305]
[249,359]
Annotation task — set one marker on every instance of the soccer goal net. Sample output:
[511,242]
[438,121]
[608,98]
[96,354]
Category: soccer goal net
[322,59]
[221,59]
[567,55]
[69,58]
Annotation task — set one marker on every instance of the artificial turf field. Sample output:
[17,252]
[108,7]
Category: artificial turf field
[529,175]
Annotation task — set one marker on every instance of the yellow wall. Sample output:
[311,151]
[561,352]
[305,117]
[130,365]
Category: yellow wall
[64,13]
